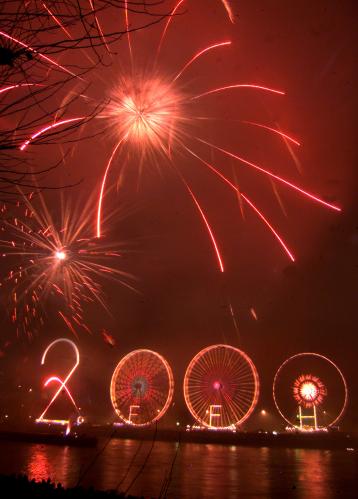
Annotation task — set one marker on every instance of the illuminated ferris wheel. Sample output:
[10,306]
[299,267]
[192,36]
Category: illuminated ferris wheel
[221,387]
[310,391]
[142,387]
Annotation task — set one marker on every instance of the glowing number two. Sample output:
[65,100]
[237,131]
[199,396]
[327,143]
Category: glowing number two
[62,384]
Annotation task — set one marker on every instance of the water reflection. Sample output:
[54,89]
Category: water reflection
[193,471]
[39,466]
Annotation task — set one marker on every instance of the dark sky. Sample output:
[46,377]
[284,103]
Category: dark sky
[307,49]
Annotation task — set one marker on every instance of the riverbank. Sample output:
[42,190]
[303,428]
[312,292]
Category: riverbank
[87,436]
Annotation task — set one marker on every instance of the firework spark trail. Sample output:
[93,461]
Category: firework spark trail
[68,34]
[103,183]
[199,54]
[274,130]
[248,201]
[234,320]
[253,313]
[278,197]
[264,219]
[238,196]
[11,87]
[269,173]
[42,56]
[239,85]
[56,20]
[47,128]
[171,16]
[228,10]
[292,153]
[207,225]
[127,29]
[98,25]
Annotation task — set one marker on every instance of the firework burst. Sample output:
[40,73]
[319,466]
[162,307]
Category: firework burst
[151,115]
[58,263]
[308,390]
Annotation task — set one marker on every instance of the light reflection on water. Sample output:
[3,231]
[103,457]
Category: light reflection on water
[199,471]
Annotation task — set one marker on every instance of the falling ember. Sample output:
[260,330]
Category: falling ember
[108,338]
[253,313]
[229,11]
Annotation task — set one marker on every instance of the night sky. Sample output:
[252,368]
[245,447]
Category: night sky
[307,49]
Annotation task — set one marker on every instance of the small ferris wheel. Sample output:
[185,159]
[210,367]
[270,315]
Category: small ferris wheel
[141,387]
[310,391]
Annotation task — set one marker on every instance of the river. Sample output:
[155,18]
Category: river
[190,471]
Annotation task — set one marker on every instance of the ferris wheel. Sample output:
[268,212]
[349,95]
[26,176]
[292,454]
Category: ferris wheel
[221,387]
[310,391]
[141,387]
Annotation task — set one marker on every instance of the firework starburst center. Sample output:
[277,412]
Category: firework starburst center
[146,112]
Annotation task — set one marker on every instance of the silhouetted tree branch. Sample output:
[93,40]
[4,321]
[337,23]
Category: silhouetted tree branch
[48,50]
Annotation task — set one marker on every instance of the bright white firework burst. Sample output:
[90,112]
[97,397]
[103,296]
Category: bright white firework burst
[61,263]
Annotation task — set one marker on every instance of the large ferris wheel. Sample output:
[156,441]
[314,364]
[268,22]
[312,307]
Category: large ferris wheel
[142,387]
[221,387]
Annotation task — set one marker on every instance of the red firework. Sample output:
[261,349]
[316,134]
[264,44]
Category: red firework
[54,262]
[151,116]
[309,390]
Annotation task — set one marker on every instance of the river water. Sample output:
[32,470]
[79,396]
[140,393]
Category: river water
[197,470]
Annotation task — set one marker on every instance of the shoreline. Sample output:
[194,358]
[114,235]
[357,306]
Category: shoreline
[89,437]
